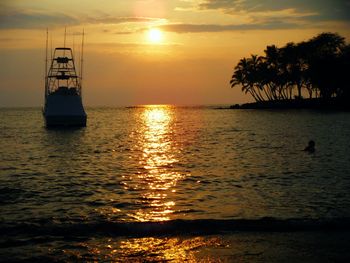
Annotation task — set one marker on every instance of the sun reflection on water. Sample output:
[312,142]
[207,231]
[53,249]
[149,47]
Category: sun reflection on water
[157,160]
[167,249]
[149,249]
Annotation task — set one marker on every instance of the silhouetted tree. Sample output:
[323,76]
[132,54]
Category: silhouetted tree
[343,83]
[325,52]
[319,67]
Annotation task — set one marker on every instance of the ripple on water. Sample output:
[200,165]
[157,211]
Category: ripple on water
[162,163]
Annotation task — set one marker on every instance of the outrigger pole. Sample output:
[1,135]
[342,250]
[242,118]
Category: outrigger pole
[51,49]
[81,62]
[47,44]
[64,43]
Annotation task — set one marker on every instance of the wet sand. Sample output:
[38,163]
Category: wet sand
[280,247]
[230,247]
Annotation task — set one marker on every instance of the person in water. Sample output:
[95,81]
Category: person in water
[311,147]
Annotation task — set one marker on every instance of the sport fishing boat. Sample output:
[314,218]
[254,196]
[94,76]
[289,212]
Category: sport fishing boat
[63,91]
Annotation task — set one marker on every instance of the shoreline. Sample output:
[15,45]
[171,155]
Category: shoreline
[325,246]
[312,104]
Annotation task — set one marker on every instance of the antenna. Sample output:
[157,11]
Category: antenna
[51,47]
[47,43]
[64,44]
[73,49]
[81,61]
[65,34]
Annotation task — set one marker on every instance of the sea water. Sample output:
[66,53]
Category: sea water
[136,177]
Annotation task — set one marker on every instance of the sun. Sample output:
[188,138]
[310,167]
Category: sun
[155,35]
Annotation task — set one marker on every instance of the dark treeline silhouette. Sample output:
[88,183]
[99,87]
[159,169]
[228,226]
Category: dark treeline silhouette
[317,69]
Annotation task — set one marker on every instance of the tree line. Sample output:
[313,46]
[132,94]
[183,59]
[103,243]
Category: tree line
[317,68]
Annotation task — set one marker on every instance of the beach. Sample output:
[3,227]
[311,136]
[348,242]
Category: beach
[324,246]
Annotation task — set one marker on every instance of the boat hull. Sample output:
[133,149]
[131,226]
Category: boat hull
[65,121]
[65,111]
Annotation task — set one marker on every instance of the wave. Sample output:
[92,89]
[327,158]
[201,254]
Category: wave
[175,227]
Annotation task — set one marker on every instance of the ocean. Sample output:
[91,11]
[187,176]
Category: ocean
[179,184]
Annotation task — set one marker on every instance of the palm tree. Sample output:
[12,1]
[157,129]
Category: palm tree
[241,77]
[292,66]
[319,67]
[272,57]
[249,74]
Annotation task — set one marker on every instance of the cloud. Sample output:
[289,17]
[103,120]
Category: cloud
[11,18]
[322,10]
[124,32]
[117,45]
[198,28]
[11,39]
[14,18]
[120,20]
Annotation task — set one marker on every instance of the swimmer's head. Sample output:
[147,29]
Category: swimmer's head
[311,143]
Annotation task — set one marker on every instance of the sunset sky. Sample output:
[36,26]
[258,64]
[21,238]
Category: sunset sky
[153,51]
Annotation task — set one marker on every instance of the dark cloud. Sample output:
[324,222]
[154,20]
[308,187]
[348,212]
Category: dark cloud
[124,32]
[11,18]
[130,45]
[197,28]
[120,20]
[323,9]
[12,39]
[15,18]
[250,5]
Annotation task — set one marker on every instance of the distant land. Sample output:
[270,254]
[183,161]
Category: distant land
[314,103]
[311,74]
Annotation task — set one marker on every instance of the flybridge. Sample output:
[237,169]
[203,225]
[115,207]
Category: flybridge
[62,71]
[63,89]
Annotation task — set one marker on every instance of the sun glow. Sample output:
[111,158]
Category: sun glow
[155,35]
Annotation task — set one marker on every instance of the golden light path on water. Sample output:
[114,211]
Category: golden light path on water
[158,148]
[156,143]
[152,249]
[158,156]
